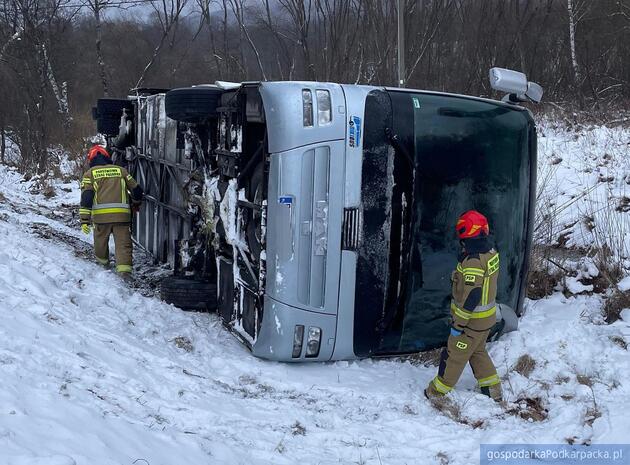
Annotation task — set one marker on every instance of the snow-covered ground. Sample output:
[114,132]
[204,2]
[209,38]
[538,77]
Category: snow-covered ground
[584,185]
[95,373]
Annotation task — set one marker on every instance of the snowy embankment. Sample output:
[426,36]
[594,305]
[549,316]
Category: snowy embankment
[584,185]
[94,373]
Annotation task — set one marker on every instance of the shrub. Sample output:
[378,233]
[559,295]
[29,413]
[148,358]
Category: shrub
[525,365]
[614,304]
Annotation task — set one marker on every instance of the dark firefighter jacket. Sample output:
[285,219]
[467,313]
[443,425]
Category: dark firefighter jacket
[475,278]
[106,191]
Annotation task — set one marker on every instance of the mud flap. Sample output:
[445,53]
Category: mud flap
[507,321]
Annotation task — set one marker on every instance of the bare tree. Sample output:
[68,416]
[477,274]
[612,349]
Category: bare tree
[431,16]
[238,10]
[60,91]
[28,62]
[97,7]
[167,13]
[300,12]
[573,20]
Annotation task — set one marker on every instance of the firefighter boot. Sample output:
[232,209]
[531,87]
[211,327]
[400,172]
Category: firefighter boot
[124,248]
[431,393]
[494,392]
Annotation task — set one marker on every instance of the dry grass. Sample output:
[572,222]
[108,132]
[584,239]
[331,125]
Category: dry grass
[592,414]
[453,410]
[585,380]
[448,407]
[614,304]
[182,342]
[427,358]
[545,273]
[297,429]
[529,408]
[543,276]
[49,191]
[525,365]
[562,379]
[620,341]
[541,283]
[443,458]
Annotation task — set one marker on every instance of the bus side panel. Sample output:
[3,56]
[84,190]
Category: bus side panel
[355,108]
[344,339]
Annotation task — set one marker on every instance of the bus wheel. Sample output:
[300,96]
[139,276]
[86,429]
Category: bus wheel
[192,104]
[189,294]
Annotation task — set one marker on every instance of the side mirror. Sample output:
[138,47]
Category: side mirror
[534,92]
[515,83]
[506,80]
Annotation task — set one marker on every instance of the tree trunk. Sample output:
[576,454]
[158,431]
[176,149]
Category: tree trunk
[156,52]
[574,62]
[3,145]
[60,92]
[237,8]
[99,52]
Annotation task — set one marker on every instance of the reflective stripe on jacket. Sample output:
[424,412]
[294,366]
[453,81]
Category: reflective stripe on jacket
[105,195]
[473,303]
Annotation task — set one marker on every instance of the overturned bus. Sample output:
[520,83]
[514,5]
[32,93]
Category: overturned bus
[318,218]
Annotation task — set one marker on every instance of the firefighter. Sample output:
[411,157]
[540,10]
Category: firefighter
[108,196]
[473,311]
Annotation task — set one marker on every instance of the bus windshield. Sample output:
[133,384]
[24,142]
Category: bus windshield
[427,159]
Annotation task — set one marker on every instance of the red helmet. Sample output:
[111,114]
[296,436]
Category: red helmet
[471,224]
[94,151]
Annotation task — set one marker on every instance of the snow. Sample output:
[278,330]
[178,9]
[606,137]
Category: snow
[624,284]
[93,374]
[228,214]
[574,286]
[584,184]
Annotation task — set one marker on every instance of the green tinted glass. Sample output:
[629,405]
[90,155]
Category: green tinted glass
[469,154]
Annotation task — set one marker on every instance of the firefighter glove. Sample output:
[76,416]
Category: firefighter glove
[455,332]
[135,206]
[85,228]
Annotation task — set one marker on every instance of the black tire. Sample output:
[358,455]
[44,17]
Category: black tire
[189,294]
[192,104]
[108,113]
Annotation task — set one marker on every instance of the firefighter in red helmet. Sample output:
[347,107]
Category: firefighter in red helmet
[473,311]
[108,195]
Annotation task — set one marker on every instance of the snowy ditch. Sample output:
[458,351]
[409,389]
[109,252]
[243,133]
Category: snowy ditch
[95,373]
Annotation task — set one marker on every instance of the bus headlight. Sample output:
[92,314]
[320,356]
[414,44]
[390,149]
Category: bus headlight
[324,107]
[307,107]
[313,341]
[298,337]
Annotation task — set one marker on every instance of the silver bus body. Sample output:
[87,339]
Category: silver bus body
[334,275]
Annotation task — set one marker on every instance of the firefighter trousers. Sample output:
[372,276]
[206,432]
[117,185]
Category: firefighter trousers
[122,242]
[468,347]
